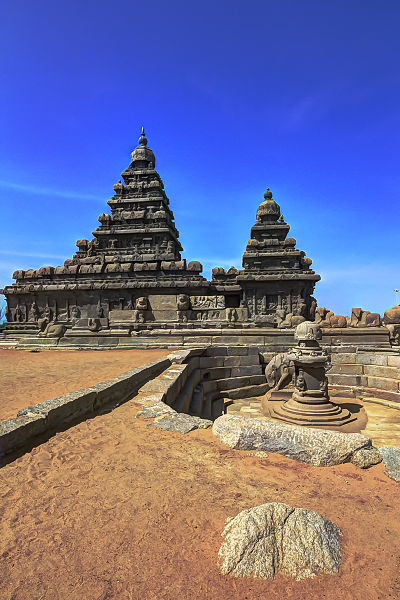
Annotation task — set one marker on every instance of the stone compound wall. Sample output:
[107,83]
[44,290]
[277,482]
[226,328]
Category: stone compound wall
[366,372]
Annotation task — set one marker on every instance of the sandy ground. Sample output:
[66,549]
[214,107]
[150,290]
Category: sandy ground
[27,378]
[114,509]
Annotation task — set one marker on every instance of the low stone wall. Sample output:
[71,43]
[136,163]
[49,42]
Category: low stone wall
[47,416]
[366,372]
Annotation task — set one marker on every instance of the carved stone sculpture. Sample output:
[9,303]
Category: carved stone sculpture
[94,324]
[33,312]
[75,314]
[391,320]
[279,371]
[364,318]
[53,330]
[183,306]
[287,321]
[141,307]
[305,367]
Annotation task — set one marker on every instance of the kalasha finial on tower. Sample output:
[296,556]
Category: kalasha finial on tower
[143,139]
[268,194]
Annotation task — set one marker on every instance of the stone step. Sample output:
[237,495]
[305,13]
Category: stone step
[236,382]
[247,370]
[245,392]
[242,361]
[182,402]
[216,373]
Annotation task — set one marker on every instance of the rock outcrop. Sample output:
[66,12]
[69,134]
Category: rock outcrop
[277,538]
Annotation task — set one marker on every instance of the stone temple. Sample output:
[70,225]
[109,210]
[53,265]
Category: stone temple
[129,282]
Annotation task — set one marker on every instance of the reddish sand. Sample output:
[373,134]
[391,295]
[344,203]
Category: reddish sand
[27,378]
[113,509]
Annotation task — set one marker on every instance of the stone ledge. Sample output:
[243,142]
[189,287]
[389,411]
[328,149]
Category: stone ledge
[43,418]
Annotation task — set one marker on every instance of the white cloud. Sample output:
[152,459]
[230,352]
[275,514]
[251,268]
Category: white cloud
[32,254]
[44,191]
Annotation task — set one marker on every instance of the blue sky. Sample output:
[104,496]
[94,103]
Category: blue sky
[302,97]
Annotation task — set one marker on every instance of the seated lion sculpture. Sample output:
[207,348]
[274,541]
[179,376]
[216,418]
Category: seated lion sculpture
[53,330]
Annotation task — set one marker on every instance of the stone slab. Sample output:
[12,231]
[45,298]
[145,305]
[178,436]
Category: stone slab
[383,383]
[380,371]
[394,361]
[315,446]
[372,358]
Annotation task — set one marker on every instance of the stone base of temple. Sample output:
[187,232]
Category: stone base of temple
[162,334]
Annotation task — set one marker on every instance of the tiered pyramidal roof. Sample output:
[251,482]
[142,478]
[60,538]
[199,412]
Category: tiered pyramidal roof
[140,231]
[269,251]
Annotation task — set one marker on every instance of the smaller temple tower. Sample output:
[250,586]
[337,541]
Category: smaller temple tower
[276,281]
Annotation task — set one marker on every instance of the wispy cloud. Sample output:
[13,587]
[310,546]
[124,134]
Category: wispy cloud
[31,254]
[44,191]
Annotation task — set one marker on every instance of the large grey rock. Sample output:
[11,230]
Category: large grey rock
[315,446]
[182,423]
[391,459]
[277,538]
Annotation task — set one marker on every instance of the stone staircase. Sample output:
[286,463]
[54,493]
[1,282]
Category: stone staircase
[222,377]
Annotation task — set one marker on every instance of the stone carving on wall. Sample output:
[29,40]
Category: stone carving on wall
[105,219]
[183,306]
[94,324]
[33,312]
[45,319]
[206,302]
[18,314]
[75,314]
[286,320]
[53,330]
[232,315]
[141,307]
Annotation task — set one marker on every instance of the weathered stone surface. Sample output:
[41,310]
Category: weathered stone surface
[156,409]
[315,446]
[366,457]
[383,383]
[344,369]
[343,357]
[394,361]
[391,459]
[372,358]
[378,371]
[277,538]
[182,423]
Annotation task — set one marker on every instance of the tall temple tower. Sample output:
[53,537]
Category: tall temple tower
[141,225]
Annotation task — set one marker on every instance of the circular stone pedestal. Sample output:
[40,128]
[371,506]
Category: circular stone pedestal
[311,410]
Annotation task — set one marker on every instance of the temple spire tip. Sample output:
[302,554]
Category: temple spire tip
[143,139]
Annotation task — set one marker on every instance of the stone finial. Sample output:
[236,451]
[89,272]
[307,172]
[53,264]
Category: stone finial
[308,331]
[143,138]
[268,194]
